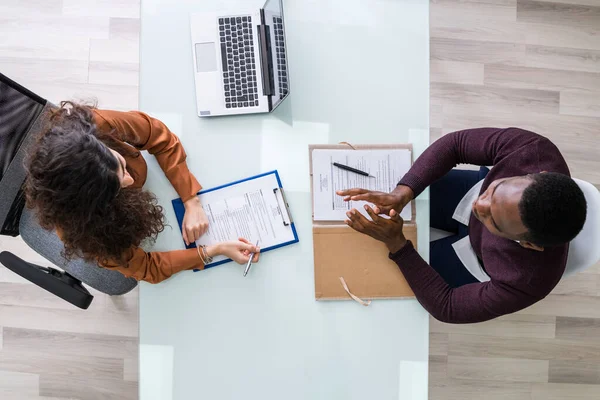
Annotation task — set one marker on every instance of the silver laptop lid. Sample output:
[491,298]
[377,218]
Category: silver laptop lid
[273,14]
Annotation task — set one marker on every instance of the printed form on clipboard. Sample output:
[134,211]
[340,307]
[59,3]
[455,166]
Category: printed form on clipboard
[387,166]
[254,208]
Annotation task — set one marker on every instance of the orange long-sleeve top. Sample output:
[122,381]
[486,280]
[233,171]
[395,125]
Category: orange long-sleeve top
[146,133]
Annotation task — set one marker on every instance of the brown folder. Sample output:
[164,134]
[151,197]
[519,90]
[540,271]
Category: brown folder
[363,262]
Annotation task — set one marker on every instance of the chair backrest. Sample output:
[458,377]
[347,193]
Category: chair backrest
[584,250]
[22,116]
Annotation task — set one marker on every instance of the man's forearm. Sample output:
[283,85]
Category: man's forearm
[482,146]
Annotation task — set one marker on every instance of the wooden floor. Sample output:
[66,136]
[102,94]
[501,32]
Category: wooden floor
[493,62]
[68,49]
[536,65]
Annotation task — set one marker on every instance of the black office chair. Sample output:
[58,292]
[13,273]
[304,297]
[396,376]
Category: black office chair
[23,116]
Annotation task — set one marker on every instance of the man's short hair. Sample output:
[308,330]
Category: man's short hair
[553,209]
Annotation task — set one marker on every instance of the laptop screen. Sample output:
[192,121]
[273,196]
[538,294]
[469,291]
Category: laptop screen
[273,10]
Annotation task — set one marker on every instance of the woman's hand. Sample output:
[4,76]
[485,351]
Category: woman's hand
[238,250]
[195,222]
[388,231]
[384,202]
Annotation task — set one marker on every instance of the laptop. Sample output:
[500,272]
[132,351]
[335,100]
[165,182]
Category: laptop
[240,61]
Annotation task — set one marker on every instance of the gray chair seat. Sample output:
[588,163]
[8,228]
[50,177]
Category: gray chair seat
[49,246]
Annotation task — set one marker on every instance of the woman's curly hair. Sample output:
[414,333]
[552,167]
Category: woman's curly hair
[73,185]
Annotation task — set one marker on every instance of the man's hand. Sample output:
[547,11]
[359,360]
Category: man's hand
[195,222]
[384,202]
[388,231]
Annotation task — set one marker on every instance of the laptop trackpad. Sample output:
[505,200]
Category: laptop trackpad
[206,57]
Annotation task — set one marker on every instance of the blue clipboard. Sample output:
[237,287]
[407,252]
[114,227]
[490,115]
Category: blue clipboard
[180,210]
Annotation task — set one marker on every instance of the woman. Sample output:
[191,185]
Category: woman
[85,178]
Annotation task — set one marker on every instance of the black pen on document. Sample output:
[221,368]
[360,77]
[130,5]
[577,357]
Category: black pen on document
[356,171]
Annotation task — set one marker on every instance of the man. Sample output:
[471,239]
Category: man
[520,216]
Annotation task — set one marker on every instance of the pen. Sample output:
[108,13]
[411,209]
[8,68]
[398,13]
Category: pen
[249,261]
[356,171]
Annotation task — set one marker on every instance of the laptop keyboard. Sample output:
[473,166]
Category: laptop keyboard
[280,48]
[239,67]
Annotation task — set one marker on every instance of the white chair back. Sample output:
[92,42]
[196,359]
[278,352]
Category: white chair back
[584,250]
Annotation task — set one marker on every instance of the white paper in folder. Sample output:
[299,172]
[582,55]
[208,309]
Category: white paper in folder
[254,208]
[387,166]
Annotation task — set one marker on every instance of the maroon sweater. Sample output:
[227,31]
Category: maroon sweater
[519,277]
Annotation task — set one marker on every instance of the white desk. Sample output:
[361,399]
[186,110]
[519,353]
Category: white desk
[359,73]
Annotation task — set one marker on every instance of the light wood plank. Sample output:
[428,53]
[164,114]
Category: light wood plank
[578,285]
[435,134]
[131,370]
[514,325]
[76,320]
[581,372]
[438,344]
[104,8]
[125,304]
[520,77]
[436,115]
[86,387]
[567,306]
[497,369]
[55,71]
[17,384]
[526,348]
[578,329]
[456,72]
[484,20]
[580,103]
[490,29]
[593,3]
[494,31]
[573,15]
[570,59]
[124,28]
[94,26]
[507,99]
[442,11]
[42,47]
[594,269]
[22,396]
[476,51]
[562,391]
[70,343]
[113,73]
[40,362]
[458,389]
[560,36]
[28,8]
[115,51]
[438,368]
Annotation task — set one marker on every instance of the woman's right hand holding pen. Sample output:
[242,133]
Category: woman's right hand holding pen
[237,250]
